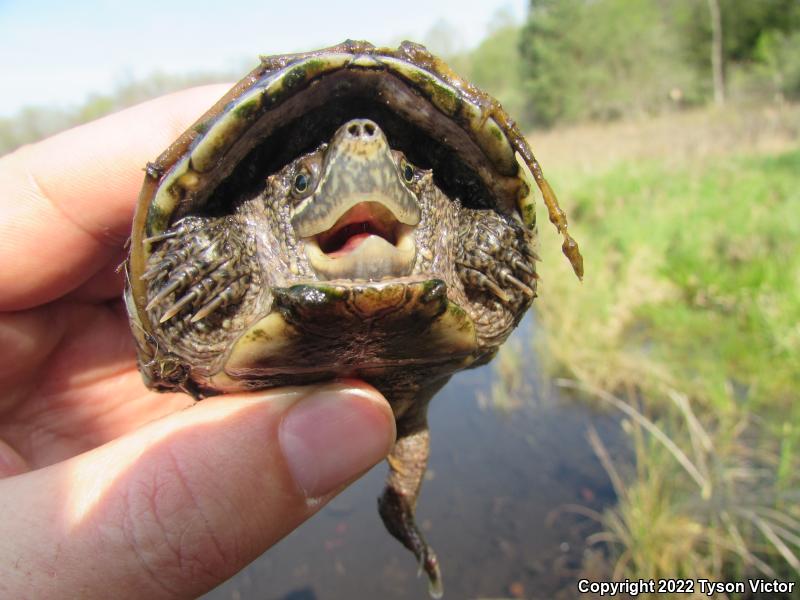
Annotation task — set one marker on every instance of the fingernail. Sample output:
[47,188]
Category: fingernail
[332,436]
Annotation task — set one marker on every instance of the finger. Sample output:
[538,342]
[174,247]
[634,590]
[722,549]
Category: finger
[11,463]
[107,283]
[67,203]
[69,382]
[179,506]
[27,338]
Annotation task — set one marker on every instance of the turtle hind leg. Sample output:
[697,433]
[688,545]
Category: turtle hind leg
[407,463]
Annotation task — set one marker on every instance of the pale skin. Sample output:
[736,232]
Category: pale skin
[105,485]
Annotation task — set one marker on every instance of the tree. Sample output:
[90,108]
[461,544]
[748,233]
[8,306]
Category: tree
[732,33]
[599,59]
[717,65]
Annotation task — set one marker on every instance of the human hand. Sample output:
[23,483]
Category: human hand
[105,485]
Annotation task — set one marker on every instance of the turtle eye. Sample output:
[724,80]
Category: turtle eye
[301,182]
[408,171]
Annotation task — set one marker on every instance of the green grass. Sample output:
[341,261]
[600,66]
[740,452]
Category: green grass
[692,291]
[726,240]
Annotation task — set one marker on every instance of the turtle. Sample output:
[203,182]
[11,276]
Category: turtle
[355,211]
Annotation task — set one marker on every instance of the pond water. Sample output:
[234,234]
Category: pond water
[492,506]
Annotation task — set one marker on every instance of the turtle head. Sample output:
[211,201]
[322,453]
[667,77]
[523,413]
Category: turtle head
[359,209]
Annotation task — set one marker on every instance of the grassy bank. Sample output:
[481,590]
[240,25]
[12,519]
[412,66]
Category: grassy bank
[689,313]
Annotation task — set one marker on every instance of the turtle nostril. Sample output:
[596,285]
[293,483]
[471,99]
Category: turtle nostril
[363,129]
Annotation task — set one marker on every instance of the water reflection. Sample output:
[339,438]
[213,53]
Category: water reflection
[496,480]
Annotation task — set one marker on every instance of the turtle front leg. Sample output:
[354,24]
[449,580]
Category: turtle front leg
[407,463]
[198,267]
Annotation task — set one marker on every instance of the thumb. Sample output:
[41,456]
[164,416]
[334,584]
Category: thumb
[180,505]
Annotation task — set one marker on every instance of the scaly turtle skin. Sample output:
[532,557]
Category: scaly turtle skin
[349,212]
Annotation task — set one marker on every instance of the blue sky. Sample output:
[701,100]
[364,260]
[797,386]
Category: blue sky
[56,53]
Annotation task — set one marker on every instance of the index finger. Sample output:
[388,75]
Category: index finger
[66,203]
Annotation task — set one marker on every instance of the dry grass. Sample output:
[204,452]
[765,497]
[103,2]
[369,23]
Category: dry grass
[675,138]
[703,503]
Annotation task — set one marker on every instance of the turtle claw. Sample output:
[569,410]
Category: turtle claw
[430,564]
[516,282]
[435,587]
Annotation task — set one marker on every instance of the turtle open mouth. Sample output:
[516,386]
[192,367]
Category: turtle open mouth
[358,223]
[366,242]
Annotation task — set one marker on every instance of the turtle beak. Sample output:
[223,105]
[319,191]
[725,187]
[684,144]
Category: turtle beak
[359,222]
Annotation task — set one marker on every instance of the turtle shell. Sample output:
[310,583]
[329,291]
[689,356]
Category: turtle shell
[294,101]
